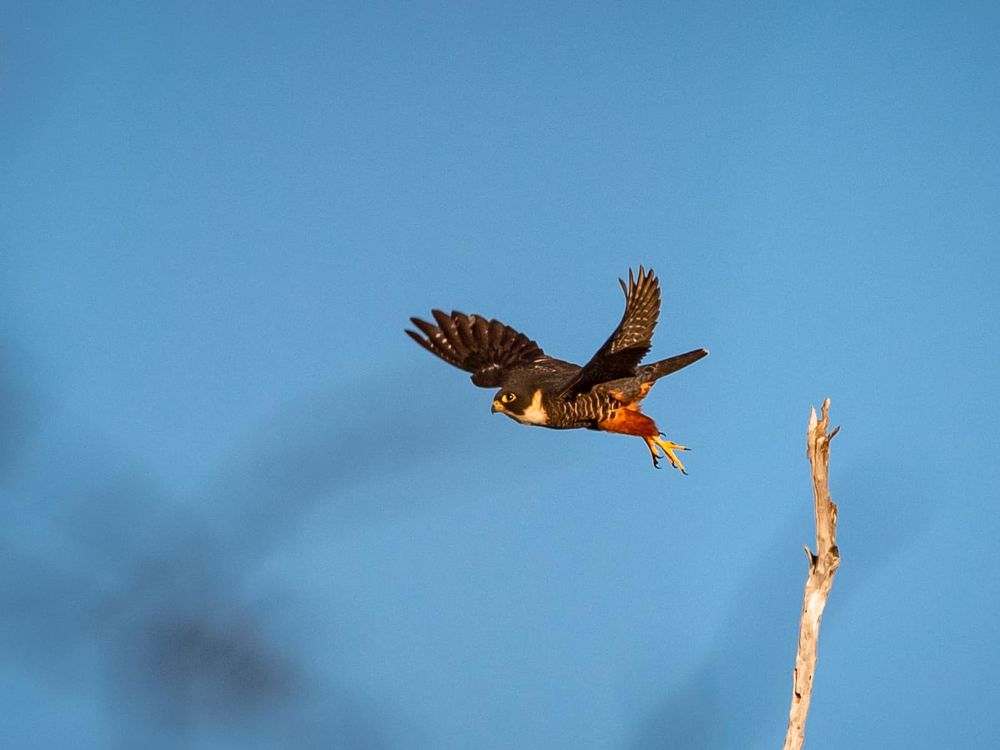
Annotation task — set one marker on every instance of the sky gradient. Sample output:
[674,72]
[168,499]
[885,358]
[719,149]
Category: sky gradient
[241,509]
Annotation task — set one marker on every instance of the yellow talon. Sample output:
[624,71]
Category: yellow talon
[668,448]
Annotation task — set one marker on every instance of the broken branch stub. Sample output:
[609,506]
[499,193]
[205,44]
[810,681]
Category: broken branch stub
[823,566]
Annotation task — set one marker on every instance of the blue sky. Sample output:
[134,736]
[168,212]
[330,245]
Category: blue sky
[241,509]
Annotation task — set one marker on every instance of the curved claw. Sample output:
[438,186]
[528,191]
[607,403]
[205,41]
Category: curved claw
[668,447]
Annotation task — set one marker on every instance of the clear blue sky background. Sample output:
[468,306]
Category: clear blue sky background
[240,509]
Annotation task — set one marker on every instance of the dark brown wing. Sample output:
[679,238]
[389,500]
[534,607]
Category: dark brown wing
[483,347]
[632,339]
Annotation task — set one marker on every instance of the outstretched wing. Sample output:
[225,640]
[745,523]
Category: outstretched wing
[632,339]
[483,347]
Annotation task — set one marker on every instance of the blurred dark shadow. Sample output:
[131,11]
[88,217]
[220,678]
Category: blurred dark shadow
[317,446]
[882,511]
[154,590]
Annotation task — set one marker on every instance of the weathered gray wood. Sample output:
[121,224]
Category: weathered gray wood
[822,568]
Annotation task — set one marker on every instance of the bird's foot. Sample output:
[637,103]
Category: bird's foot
[668,447]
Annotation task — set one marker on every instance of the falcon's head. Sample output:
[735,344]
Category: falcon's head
[521,403]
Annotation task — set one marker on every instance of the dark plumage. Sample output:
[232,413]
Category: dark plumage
[537,389]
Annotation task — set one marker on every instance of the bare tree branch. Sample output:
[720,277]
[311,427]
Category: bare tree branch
[822,568]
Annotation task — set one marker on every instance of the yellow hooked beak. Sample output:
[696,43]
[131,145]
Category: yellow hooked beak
[497,406]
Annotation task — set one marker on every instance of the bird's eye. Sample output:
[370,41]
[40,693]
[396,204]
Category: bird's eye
[507,397]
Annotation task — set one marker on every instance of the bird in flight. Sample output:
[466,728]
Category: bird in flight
[537,389]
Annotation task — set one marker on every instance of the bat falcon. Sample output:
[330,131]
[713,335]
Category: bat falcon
[536,389]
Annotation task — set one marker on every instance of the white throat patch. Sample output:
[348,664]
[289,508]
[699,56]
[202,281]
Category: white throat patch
[535,413]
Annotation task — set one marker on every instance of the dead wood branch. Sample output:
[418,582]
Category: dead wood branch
[822,568]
